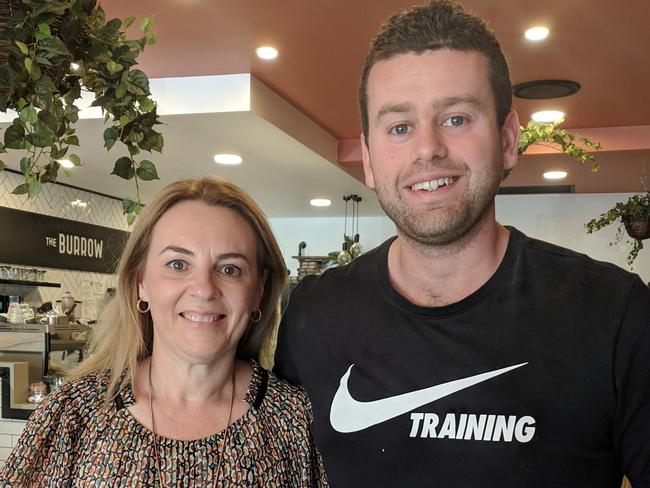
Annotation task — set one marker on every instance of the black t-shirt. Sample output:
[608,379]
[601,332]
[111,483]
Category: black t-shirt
[541,378]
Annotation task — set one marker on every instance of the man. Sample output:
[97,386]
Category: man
[462,353]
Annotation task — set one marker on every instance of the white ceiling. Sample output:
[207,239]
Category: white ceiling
[281,173]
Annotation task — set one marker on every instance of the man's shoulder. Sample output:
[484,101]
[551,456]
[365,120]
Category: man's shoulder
[547,258]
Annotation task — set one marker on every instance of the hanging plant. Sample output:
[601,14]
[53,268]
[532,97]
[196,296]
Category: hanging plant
[54,50]
[632,216]
[549,134]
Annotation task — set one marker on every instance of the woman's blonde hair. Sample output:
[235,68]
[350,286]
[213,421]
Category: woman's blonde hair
[123,336]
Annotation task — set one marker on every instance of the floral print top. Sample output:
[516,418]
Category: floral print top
[74,439]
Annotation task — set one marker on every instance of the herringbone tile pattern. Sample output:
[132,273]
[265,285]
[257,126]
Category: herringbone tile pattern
[56,201]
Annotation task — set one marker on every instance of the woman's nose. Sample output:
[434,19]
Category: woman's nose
[205,284]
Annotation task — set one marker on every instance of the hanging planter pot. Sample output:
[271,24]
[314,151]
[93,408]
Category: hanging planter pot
[637,227]
[632,215]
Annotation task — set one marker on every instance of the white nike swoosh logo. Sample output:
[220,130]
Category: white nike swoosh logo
[350,415]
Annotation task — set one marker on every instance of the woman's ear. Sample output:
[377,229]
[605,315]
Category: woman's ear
[260,288]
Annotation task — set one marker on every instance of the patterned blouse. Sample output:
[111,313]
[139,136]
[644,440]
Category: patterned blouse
[72,439]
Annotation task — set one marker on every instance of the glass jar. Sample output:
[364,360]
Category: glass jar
[14,314]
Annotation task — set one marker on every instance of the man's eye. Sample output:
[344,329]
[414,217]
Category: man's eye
[454,121]
[231,270]
[399,129]
[177,265]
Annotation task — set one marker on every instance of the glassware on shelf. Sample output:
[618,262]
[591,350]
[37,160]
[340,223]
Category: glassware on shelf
[14,314]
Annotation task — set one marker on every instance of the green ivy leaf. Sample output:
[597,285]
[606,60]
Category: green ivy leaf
[120,90]
[128,21]
[23,47]
[28,65]
[110,137]
[146,104]
[140,81]
[146,24]
[49,120]
[35,73]
[34,188]
[25,164]
[114,67]
[128,205]
[147,171]
[75,160]
[21,189]
[71,140]
[15,137]
[44,29]
[42,136]
[29,115]
[124,168]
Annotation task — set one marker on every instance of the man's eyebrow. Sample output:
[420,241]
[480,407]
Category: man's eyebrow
[437,104]
[451,101]
[394,108]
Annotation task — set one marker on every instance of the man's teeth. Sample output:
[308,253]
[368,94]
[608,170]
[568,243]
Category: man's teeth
[202,318]
[433,184]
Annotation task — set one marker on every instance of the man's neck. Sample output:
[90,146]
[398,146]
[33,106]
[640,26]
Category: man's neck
[434,276]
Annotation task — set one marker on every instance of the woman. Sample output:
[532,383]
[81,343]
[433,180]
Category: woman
[171,394]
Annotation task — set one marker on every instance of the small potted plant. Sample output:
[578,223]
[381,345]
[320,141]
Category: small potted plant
[51,51]
[632,215]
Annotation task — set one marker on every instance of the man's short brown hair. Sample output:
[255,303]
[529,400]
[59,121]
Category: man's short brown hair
[439,25]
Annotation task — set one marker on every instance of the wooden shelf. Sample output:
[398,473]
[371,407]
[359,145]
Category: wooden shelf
[4,281]
[312,258]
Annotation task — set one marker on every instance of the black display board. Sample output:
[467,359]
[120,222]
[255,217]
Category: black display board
[40,240]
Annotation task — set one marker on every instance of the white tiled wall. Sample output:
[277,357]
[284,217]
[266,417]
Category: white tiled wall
[55,200]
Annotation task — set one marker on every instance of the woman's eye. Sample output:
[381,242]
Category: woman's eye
[231,270]
[399,129]
[177,265]
[454,121]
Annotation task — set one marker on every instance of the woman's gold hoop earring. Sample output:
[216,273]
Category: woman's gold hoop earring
[256,316]
[139,306]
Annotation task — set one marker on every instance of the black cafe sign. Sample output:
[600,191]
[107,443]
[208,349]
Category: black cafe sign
[32,239]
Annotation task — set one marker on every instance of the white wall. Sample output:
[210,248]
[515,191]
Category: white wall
[555,218]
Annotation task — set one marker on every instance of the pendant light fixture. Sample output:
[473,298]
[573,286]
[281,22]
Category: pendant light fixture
[356,249]
[344,256]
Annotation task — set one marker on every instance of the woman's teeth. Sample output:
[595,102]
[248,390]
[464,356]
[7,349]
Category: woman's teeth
[202,318]
[433,184]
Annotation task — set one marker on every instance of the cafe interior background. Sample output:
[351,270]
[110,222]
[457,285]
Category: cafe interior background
[294,122]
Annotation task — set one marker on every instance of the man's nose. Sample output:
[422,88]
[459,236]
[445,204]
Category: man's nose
[429,144]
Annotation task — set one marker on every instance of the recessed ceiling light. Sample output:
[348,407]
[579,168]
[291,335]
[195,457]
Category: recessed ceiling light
[537,33]
[548,116]
[266,52]
[320,202]
[555,175]
[230,159]
[65,163]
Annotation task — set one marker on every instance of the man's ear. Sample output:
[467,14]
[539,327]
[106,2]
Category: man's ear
[510,141]
[367,167]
